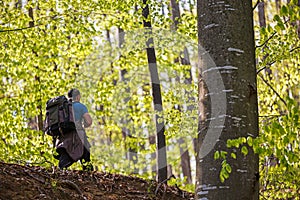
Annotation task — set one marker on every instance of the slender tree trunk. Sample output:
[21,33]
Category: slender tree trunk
[161,157]
[263,24]
[19,4]
[261,14]
[298,22]
[184,60]
[278,5]
[175,13]
[185,162]
[131,153]
[227,100]
[39,118]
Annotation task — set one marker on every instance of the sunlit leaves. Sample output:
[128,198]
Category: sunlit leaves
[279,56]
[188,21]
[68,46]
[40,54]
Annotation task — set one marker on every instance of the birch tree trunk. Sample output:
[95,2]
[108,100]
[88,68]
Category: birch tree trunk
[227,101]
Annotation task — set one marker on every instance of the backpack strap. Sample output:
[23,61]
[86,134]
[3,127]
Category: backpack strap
[54,138]
[78,125]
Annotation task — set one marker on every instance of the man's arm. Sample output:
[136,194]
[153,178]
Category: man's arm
[87,120]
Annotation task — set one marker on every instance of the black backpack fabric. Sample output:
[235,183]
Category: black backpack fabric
[59,116]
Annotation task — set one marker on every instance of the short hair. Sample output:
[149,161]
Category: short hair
[73,93]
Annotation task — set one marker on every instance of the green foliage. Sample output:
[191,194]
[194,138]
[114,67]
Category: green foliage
[49,47]
[225,166]
[278,89]
[40,49]
[279,150]
[239,142]
[225,171]
[181,183]
[64,44]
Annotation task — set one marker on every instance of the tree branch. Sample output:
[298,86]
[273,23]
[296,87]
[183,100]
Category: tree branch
[277,94]
[256,5]
[294,49]
[73,185]
[60,17]
[268,64]
[39,180]
[271,63]
[263,44]
[275,32]
[18,29]
[271,116]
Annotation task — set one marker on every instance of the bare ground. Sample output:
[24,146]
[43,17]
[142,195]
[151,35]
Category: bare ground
[33,182]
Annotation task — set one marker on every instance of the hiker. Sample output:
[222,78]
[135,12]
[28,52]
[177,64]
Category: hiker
[74,146]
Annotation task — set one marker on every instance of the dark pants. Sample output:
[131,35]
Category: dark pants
[66,161]
[85,160]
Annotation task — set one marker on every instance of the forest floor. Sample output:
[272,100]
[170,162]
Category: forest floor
[33,182]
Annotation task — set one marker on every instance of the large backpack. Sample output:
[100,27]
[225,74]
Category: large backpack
[59,116]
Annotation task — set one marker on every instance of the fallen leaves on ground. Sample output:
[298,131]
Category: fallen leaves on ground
[33,182]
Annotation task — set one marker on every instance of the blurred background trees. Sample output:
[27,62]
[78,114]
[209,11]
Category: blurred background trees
[99,47]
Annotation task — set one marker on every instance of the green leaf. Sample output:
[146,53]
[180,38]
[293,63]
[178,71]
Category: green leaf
[250,141]
[222,178]
[284,10]
[216,155]
[225,173]
[243,140]
[233,155]
[228,168]
[277,18]
[244,150]
[223,154]
[229,143]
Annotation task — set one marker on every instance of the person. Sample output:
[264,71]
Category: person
[83,120]
[75,146]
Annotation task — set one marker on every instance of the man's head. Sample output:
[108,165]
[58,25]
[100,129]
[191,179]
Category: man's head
[74,94]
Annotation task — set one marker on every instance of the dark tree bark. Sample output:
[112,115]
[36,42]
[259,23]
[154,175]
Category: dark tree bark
[184,60]
[175,12]
[130,146]
[185,162]
[161,158]
[298,23]
[278,5]
[227,99]
[39,118]
[263,24]
[261,14]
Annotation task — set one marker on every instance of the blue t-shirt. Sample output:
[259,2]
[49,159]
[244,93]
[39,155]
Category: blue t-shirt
[79,110]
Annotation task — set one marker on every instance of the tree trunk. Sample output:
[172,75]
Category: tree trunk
[184,60]
[227,100]
[263,24]
[175,13]
[261,14]
[39,118]
[298,22]
[185,162]
[278,5]
[161,158]
[131,148]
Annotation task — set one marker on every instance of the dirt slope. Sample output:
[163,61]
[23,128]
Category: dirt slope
[24,182]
